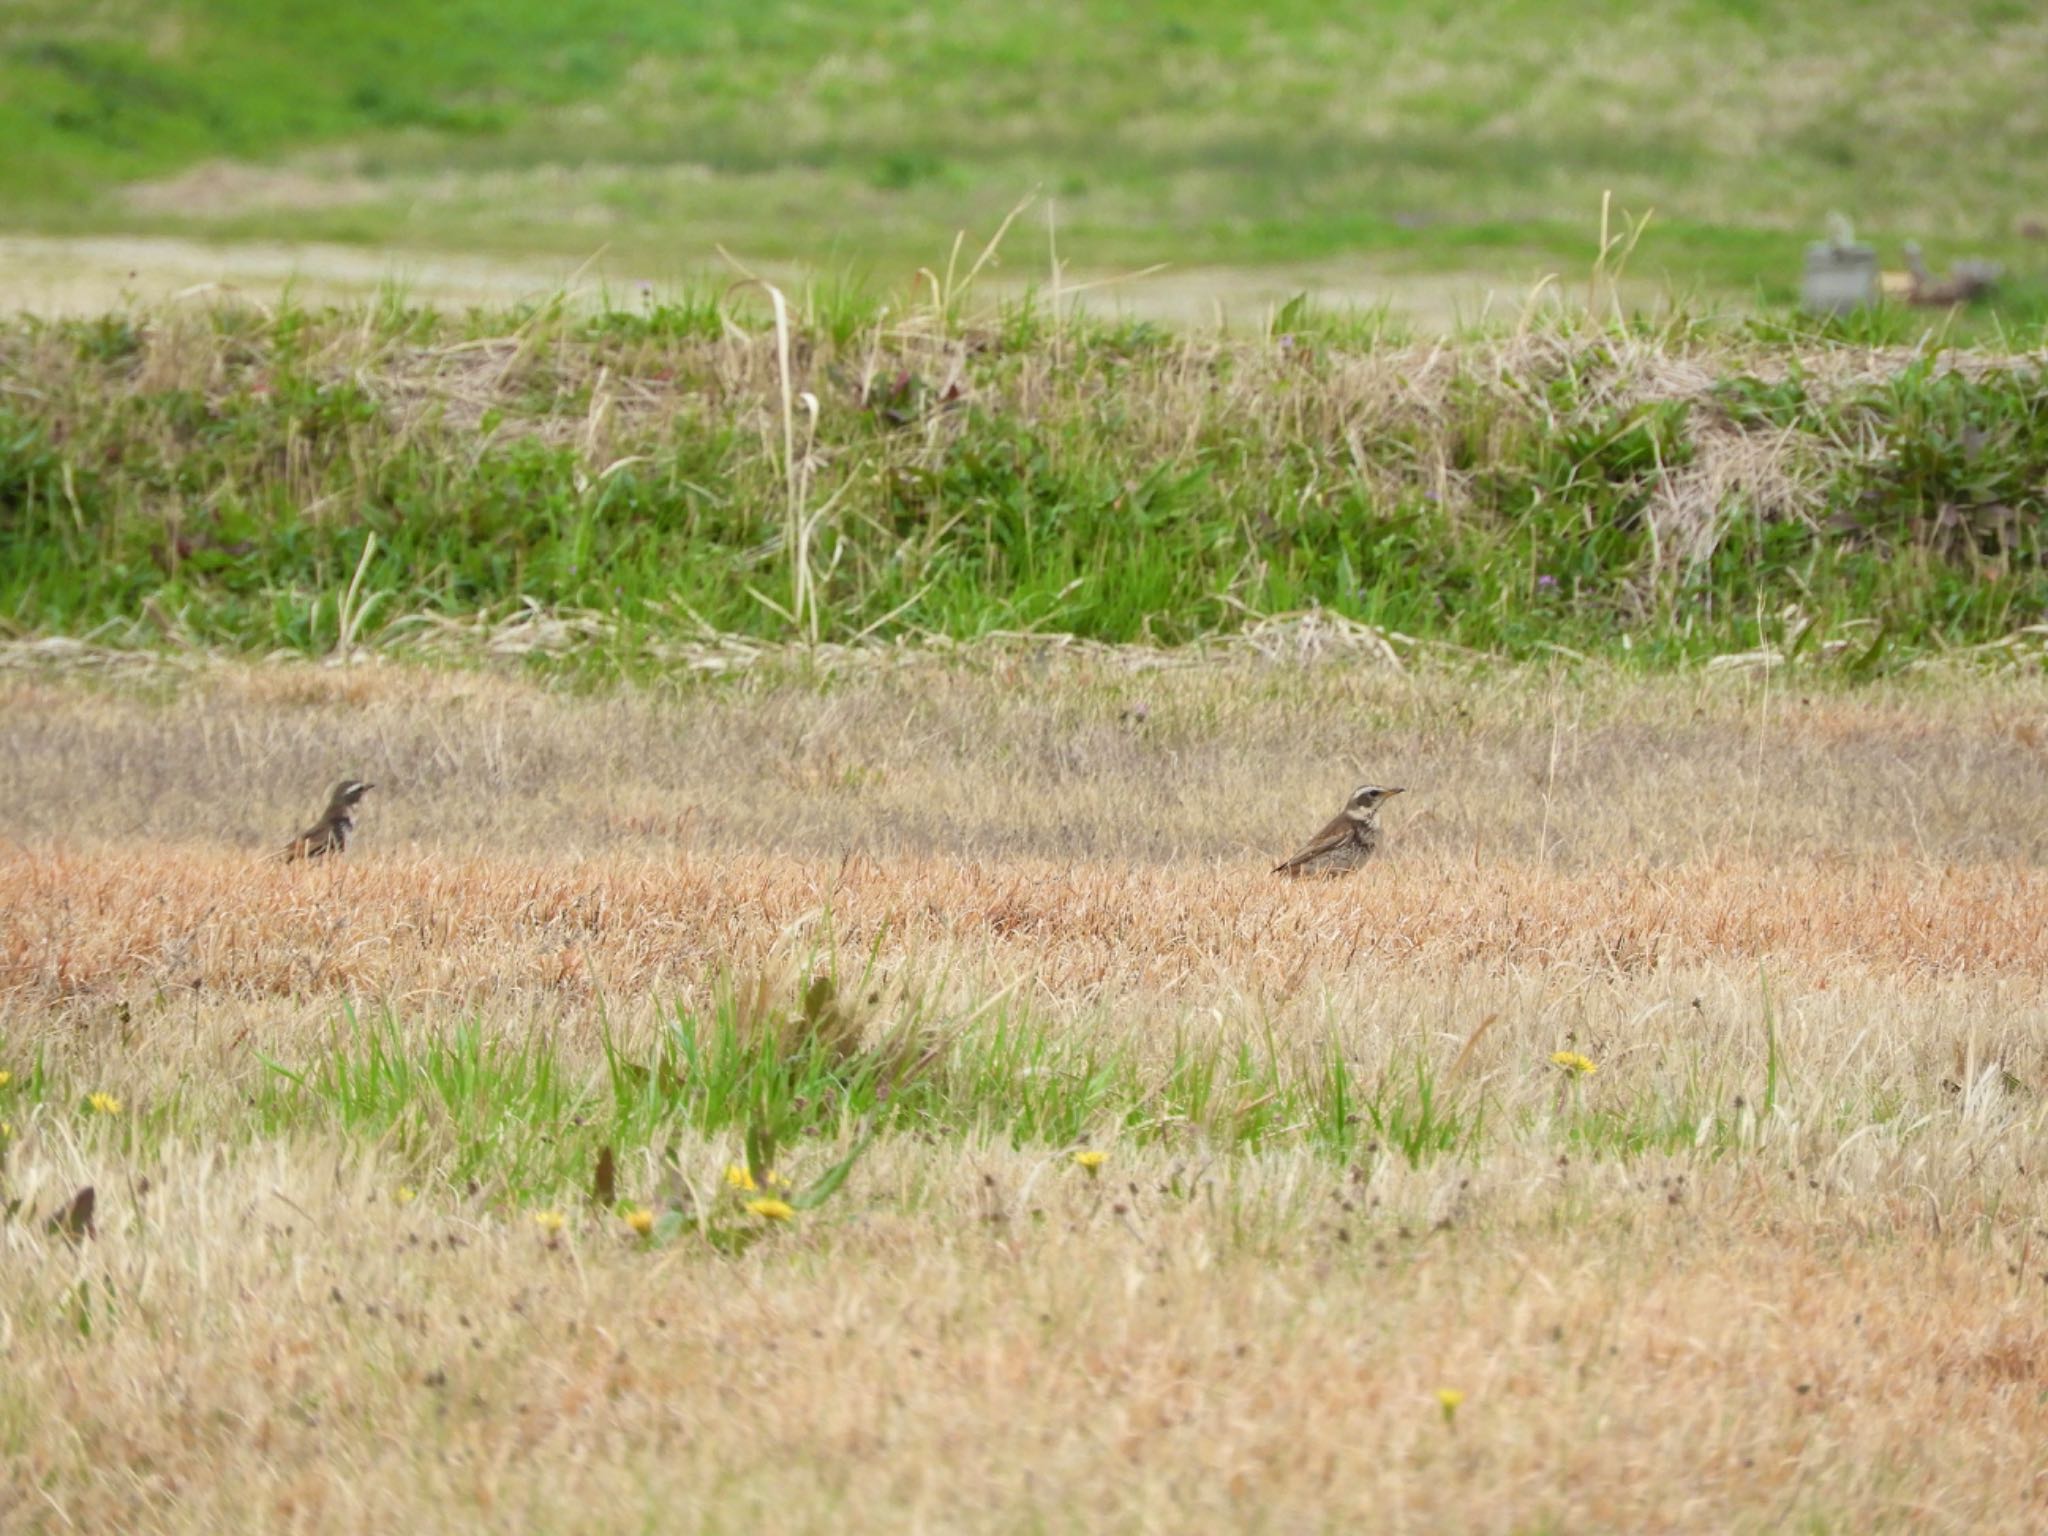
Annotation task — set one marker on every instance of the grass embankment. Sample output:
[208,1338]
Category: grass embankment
[1476,138]
[312,481]
[1761,1247]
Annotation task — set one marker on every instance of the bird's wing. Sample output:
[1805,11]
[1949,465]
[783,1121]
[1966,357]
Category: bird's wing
[1335,834]
[307,844]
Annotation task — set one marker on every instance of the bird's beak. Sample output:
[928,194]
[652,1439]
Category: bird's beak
[1397,791]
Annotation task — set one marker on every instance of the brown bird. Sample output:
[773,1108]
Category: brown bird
[1349,839]
[330,833]
[1966,280]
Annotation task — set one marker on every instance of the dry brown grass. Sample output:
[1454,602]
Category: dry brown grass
[1829,1314]
[990,1345]
[472,933]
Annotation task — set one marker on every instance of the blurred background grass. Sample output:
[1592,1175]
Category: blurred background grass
[1379,145]
[1691,479]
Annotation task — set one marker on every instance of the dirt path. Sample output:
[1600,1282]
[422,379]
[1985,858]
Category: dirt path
[52,276]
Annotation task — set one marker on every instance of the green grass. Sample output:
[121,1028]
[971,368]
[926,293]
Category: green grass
[1422,136]
[302,481]
[529,1120]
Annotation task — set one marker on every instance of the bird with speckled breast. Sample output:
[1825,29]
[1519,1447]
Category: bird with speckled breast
[1347,841]
[330,833]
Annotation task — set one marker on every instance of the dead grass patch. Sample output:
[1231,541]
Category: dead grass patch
[984,1344]
[1779,1259]
[95,924]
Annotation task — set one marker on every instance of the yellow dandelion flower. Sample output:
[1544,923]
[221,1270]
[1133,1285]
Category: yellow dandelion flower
[1574,1064]
[407,1194]
[1089,1160]
[1449,1398]
[103,1104]
[549,1222]
[6,1130]
[771,1210]
[6,1078]
[640,1219]
[737,1176]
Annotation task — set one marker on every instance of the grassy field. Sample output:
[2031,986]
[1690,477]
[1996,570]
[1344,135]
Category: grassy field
[1361,146]
[807,1035]
[1763,1249]
[614,490]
